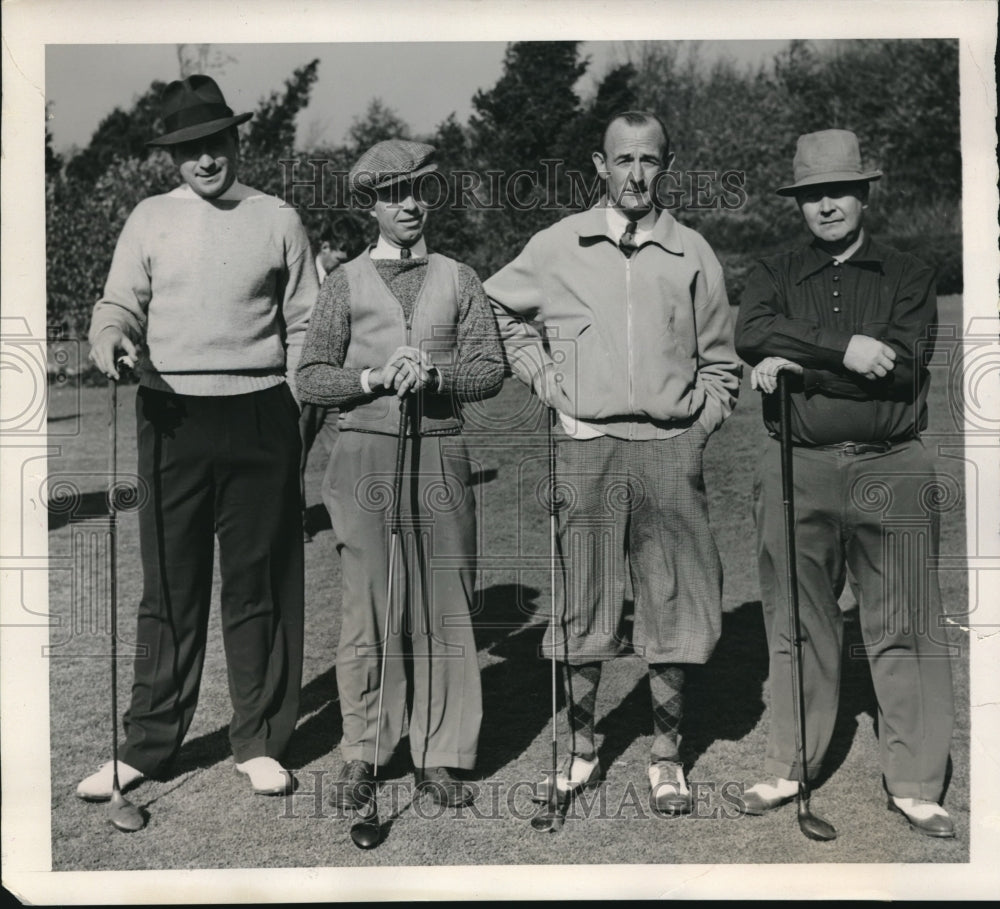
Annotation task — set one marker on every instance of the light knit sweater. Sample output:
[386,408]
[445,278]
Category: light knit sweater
[217,293]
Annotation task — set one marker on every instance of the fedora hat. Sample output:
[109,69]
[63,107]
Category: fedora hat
[194,108]
[827,156]
[391,161]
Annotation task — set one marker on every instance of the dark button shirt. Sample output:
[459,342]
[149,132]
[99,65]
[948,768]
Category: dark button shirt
[804,306]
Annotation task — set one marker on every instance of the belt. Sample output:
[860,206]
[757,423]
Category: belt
[855,448]
[851,448]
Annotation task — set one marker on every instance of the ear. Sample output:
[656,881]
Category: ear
[600,164]
[668,162]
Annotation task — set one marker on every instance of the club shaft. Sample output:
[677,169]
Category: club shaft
[788,500]
[397,498]
[553,518]
[113,571]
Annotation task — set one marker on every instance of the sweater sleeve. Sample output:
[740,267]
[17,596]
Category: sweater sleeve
[299,296]
[719,368]
[322,378]
[128,289]
[517,296]
[479,370]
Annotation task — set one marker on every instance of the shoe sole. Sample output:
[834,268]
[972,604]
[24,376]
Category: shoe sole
[923,831]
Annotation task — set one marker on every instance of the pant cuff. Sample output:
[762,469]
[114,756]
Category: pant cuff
[445,759]
[929,791]
[364,752]
[787,771]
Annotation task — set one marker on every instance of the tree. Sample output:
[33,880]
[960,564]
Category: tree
[53,162]
[379,122]
[121,134]
[517,126]
[272,130]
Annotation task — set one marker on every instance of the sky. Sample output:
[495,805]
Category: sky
[422,82]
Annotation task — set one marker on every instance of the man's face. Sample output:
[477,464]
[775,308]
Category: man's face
[208,165]
[401,216]
[834,212]
[633,158]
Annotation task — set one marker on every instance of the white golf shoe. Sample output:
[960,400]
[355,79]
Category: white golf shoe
[97,787]
[267,776]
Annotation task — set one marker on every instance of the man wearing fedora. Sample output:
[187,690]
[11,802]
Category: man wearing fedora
[401,320]
[851,320]
[209,296]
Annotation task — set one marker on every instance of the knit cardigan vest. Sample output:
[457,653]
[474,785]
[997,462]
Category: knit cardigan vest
[379,326]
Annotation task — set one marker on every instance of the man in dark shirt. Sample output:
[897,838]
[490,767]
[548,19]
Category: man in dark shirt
[851,319]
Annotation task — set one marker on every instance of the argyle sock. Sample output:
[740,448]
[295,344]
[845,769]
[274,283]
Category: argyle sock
[581,699]
[666,687]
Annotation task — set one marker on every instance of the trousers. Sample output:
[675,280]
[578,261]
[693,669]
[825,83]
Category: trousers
[225,467]
[636,510]
[868,514]
[432,676]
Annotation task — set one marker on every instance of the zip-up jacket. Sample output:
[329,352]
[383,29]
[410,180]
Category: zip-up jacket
[643,346]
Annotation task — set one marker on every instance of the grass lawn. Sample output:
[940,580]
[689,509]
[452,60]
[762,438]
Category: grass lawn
[204,816]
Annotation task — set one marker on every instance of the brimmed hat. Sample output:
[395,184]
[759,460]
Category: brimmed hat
[390,162]
[828,156]
[194,108]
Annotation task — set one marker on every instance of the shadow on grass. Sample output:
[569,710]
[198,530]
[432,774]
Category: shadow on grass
[516,691]
[319,735]
[80,507]
[317,518]
[723,698]
[857,696]
[312,739]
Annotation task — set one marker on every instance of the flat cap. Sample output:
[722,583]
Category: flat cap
[389,162]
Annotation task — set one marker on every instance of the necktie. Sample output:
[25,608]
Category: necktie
[404,253]
[627,242]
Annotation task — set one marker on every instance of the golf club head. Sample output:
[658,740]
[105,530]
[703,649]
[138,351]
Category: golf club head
[553,816]
[815,827]
[366,830]
[366,834]
[124,815]
[548,821]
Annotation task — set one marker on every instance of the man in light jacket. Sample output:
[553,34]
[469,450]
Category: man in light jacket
[617,317]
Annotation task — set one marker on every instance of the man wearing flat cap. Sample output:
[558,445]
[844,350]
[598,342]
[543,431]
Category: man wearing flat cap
[209,295]
[851,320]
[400,321]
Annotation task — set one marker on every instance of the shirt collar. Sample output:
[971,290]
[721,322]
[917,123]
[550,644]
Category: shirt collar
[814,259]
[665,231]
[383,249]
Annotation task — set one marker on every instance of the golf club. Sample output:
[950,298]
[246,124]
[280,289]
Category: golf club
[366,830]
[812,826]
[552,817]
[123,814]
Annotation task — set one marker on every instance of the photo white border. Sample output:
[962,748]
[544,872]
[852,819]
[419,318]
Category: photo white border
[28,25]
